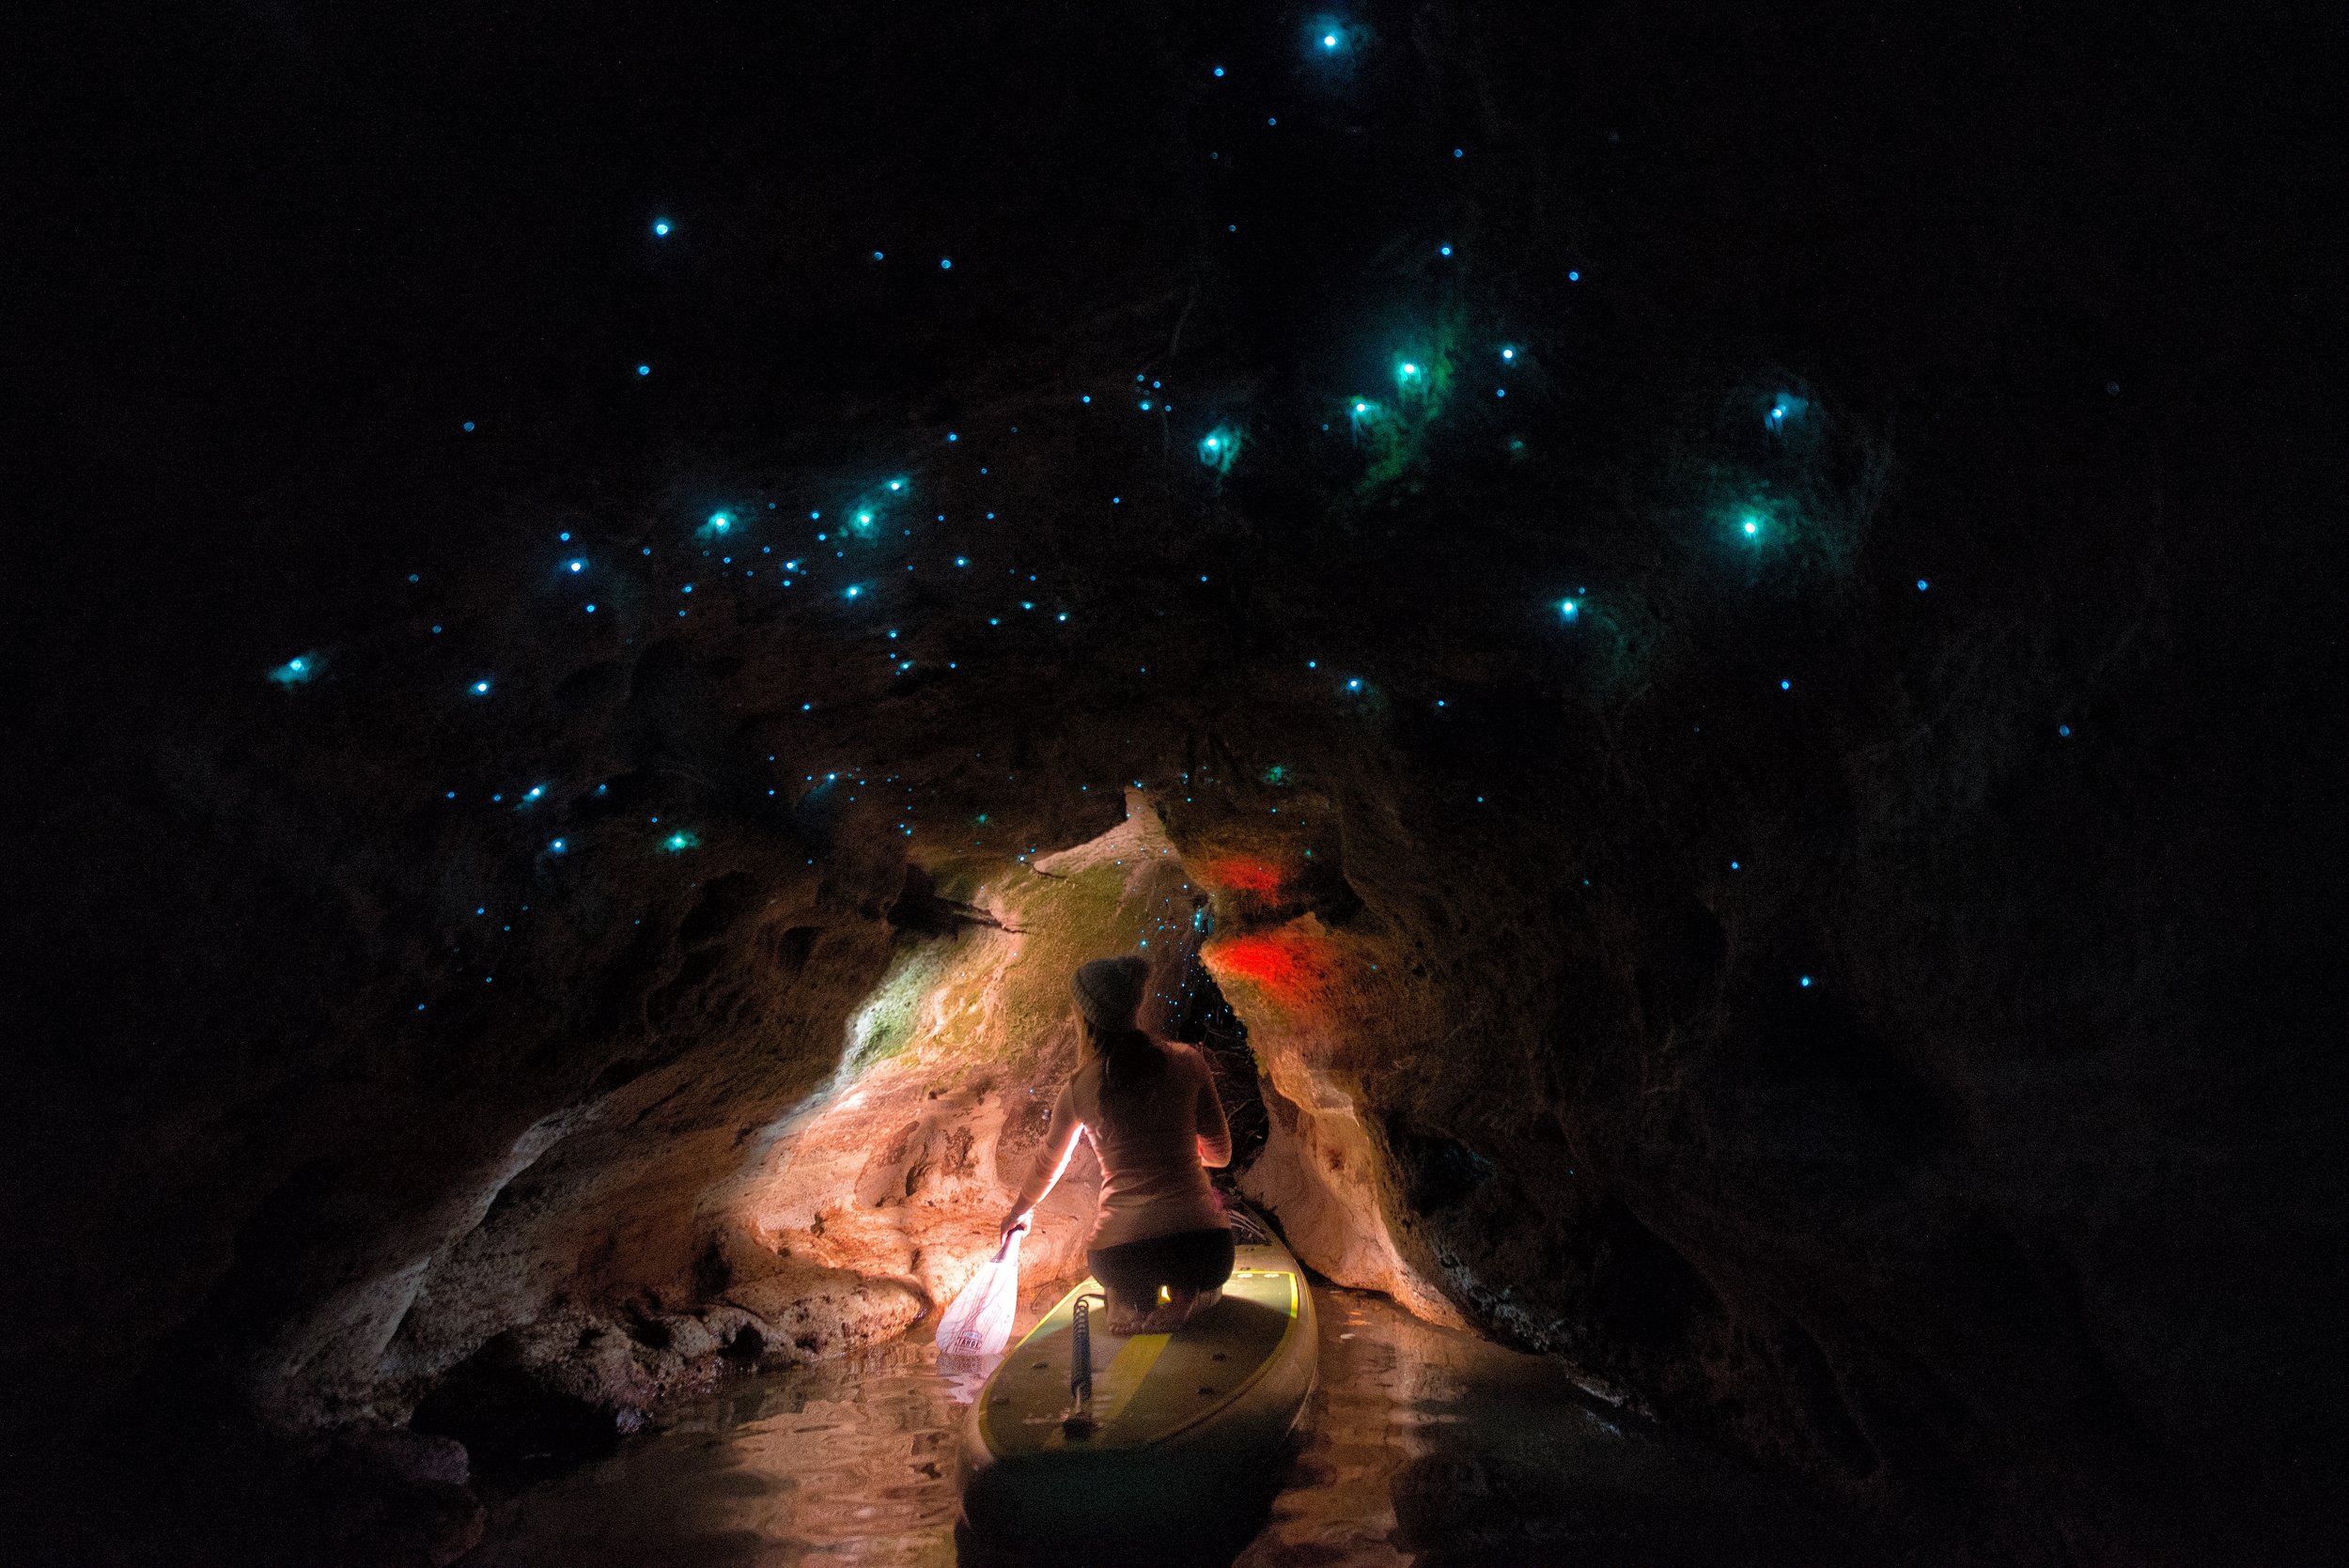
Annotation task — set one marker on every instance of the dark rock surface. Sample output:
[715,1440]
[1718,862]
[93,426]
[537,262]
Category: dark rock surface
[1884,1030]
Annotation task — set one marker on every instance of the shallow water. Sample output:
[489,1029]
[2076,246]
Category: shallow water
[1426,1446]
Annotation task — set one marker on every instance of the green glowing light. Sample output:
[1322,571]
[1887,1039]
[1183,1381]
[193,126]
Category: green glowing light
[678,843]
[1277,774]
[295,671]
[1219,449]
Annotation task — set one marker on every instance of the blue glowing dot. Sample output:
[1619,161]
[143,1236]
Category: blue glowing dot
[1459,152]
[878,257]
[1443,250]
[962,560]
[854,590]
[564,536]
[577,566]
[436,631]
[452,795]
[1328,40]
[1064,615]
[1806,982]
[688,588]
[1785,685]
[1407,370]
[1752,527]
[481,689]
[951,436]
[1353,685]
[468,423]
[1219,71]
[1568,610]
[1508,353]
[1733,865]
[1274,119]
[1084,397]
[720,521]
[556,847]
[661,226]
[896,484]
[591,610]
[1574,277]
[1500,392]
[1361,407]
[644,370]
[2064,730]
[534,792]
[946,263]
[1923,584]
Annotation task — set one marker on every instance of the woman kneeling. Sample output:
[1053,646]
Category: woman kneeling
[1160,1244]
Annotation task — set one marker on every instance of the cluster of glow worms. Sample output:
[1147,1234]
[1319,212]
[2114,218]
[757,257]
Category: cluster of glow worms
[1217,447]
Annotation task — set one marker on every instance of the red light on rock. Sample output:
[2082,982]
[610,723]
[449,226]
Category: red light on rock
[1260,877]
[1286,965]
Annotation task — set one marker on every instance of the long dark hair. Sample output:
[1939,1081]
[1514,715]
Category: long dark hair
[1131,1062]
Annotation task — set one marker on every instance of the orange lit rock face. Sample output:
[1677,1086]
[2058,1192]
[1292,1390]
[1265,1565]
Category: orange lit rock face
[1322,1169]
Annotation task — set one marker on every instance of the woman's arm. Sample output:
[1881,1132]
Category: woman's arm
[1060,1142]
[1215,1132]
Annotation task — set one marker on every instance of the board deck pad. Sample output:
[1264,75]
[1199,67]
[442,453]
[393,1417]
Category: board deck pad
[1146,1388]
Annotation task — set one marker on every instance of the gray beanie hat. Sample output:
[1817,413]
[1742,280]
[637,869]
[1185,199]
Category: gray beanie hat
[1109,991]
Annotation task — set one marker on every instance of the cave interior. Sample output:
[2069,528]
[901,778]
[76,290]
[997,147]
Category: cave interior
[1700,650]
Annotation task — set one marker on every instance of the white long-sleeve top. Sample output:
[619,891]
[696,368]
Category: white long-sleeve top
[1155,1157]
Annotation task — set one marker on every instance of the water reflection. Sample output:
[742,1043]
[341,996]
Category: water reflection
[1427,1447]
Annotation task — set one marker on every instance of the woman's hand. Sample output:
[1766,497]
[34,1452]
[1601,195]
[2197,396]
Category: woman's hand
[1016,1219]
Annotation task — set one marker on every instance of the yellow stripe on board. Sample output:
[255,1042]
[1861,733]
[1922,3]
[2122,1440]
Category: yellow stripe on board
[1126,1370]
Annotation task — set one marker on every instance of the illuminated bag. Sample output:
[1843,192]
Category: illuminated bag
[979,1322]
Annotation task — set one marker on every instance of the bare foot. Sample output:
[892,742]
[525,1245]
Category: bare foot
[1173,1312]
[1127,1317]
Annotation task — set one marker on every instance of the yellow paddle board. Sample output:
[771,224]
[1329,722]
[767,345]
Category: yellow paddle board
[1187,1428]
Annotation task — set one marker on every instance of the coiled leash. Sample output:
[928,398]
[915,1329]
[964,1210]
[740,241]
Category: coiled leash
[1079,1421]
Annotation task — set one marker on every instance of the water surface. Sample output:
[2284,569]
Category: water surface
[1426,1446]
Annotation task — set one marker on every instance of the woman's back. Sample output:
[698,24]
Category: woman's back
[1156,1137]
